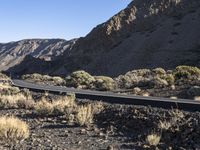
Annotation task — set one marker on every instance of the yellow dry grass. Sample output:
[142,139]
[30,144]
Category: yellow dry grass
[153,139]
[13,130]
[16,101]
[57,107]
[84,115]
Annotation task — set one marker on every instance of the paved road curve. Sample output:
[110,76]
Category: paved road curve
[183,104]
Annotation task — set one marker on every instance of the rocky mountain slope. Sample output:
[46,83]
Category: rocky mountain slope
[146,34]
[13,53]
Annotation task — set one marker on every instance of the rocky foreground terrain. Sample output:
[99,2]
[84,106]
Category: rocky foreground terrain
[146,34]
[46,121]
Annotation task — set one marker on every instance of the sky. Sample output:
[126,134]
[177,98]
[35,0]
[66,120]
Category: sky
[66,19]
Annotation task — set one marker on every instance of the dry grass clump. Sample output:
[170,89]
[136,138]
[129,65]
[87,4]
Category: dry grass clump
[80,114]
[60,106]
[43,107]
[16,101]
[6,89]
[84,115]
[13,130]
[153,139]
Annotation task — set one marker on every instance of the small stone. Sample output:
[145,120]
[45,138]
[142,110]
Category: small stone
[101,134]
[173,87]
[83,131]
[173,97]
[136,90]
[197,98]
[145,94]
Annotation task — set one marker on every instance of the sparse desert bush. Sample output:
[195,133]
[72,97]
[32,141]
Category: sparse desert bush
[16,101]
[84,115]
[4,77]
[60,106]
[153,139]
[38,78]
[159,71]
[158,82]
[43,107]
[104,83]
[80,79]
[13,130]
[164,125]
[169,78]
[133,78]
[186,72]
[8,90]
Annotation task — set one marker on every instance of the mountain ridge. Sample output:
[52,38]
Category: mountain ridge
[146,34]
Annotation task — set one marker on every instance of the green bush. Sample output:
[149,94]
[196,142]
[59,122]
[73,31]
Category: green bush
[44,79]
[186,72]
[159,71]
[169,78]
[80,79]
[104,83]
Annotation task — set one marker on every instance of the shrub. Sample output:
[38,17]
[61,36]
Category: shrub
[8,90]
[159,71]
[13,130]
[16,101]
[169,78]
[84,115]
[186,72]
[44,79]
[157,82]
[153,139]
[104,83]
[133,78]
[60,106]
[43,107]
[80,79]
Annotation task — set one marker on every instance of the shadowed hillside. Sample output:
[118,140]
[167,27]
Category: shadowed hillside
[146,34]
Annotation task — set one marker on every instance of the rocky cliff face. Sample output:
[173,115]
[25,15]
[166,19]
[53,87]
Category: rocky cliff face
[13,53]
[146,34]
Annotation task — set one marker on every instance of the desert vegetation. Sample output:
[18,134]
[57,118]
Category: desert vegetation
[38,78]
[181,82]
[44,119]
[13,130]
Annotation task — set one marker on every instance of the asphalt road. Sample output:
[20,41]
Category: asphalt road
[183,104]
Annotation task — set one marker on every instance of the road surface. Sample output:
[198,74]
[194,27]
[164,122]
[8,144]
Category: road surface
[183,104]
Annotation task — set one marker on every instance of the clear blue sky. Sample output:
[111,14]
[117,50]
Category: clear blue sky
[23,19]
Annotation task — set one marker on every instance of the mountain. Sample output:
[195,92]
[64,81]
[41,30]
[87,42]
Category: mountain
[14,53]
[146,34]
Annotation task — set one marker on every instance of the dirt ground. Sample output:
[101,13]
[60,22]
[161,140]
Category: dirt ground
[117,127]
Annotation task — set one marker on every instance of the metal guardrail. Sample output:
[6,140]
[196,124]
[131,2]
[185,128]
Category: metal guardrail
[110,97]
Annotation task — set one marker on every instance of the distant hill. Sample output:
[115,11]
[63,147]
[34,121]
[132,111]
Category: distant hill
[13,53]
[146,34]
